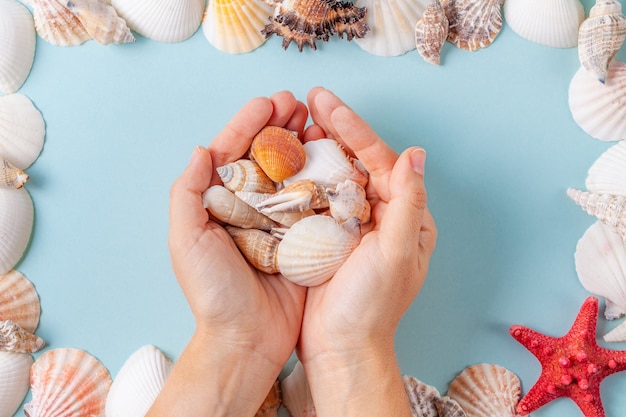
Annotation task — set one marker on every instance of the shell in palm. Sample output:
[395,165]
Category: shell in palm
[297,197]
[245,175]
[474,24]
[271,403]
[279,152]
[348,200]
[11,176]
[230,209]
[22,130]
[296,393]
[552,23]
[608,208]
[16,223]
[14,377]
[13,338]
[431,32]
[57,25]
[19,300]
[607,175]
[257,246]
[101,21]
[17,45]
[281,217]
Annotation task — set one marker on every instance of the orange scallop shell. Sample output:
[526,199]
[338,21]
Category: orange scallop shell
[19,301]
[278,152]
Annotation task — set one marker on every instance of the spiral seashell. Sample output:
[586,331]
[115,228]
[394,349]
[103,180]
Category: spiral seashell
[11,176]
[618,334]
[17,48]
[101,21]
[22,130]
[607,175]
[600,36]
[349,200]
[296,393]
[278,152]
[257,246]
[245,175]
[297,197]
[271,403]
[474,24]
[56,24]
[19,301]
[608,208]
[67,382]
[552,23]
[431,32]
[15,339]
[14,376]
[16,224]
[422,397]
[228,208]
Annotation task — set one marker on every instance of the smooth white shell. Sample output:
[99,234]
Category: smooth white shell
[22,130]
[618,334]
[14,377]
[17,45]
[19,300]
[138,383]
[600,109]
[296,393]
[16,224]
[607,175]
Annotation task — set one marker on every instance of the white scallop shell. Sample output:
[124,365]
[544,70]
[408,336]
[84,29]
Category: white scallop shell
[392,25]
[607,175]
[600,260]
[162,20]
[618,334]
[14,377]
[22,130]
[56,24]
[101,21]
[234,26]
[16,224]
[138,383]
[296,393]
[552,23]
[17,45]
[19,300]
[600,109]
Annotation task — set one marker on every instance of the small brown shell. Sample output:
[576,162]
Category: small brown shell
[19,301]
[11,176]
[431,32]
[278,152]
[474,24]
[257,246]
[14,338]
[229,208]
[245,175]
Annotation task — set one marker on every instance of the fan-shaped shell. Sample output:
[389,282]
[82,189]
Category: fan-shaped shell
[228,208]
[552,23]
[17,45]
[22,130]
[19,300]
[101,21]
[486,390]
[16,224]
[474,24]
[257,246]
[278,152]
[245,175]
[607,175]
[67,382]
[162,20]
[57,25]
[608,208]
[600,109]
[392,26]
[235,26]
[422,397]
[138,383]
[296,393]
[600,260]
[431,32]
[14,377]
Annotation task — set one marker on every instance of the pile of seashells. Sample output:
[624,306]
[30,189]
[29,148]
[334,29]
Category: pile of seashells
[291,208]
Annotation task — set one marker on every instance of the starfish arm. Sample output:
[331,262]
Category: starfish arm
[539,395]
[590,402]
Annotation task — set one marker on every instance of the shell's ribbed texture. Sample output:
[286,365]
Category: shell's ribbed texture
[17,45]
[16,224]
[431,32]
[22,130]
[607,175]
[473,24]
[19,300]
[14,377]
[56,24]
[101,21]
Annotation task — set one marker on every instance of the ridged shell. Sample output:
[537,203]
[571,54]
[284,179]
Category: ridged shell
[11,176]
[552,23]
[600,109]
[447,407]
[607,175]
[257,246]
[57,25]
[22,130]
[280,217]
[486,390]
[19,300]
[278,152]
[296,393]
[14,377]
[608,208]
[16,224]
[17,45]
[101,21]
[392,26]
[15,339]
[600,36]
[422,397]
[230,209]
[138,383]
[618,334]
[297,197]
[431,32]
[245,175]
[600,260]
[234,26]
[167,21]
[474,24]
[349,200]
[271,403]
[67,382]
[314,248]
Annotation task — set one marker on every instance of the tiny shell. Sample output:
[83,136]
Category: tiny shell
[16,224]
[15,339]
[257,246]
[608,208]
[474,24]
[17,45]
[57,25]
[14,376]
[101,21]
[19,300]
[229,208]
[296,393]
[348,200]
[273,400]
[618,334]
[431,32]
[299,196]
[278,152]
[11,176]
[422,397]
[607,175]
[245,175]
[22,130]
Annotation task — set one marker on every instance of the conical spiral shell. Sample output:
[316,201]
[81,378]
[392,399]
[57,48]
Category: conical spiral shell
[17,45]
[230,209]
[257,246]
[16,224]
[15,339]
[19,300]
[607,175]
[278,152]
[474,24]
[245,175]
[11,176]
[57,25]
[608,208]
[14,377]
[431,32]
[22,130]
[422,397]
[101,21]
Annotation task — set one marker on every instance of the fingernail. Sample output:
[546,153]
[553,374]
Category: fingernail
[196,151]
[418,159]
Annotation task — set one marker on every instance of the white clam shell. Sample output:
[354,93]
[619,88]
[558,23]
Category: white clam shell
[22,130]
[552,23]
[600,260]
[392,25]
[16,224]
[167,21]
[17,45]
[56,24]
[600,109]
[14,381]
[296,393]
[19,300]
[138,383]
[618,334]
[101,21]
[607,175]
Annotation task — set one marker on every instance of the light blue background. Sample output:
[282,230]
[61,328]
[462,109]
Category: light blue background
[502,149]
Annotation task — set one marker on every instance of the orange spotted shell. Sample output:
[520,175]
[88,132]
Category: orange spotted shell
[278,152]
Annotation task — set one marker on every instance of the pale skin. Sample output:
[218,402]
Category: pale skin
[248,323]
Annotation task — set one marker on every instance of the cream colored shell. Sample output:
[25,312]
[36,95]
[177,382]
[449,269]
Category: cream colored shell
[230,209]
[431,32]
[14,381]
[22,130]
[16,223]
[296,393]
[57,25]
[101,21]
[19,300]
[17,45]
[15,339]
[608,208]
[607,175]
[474,24]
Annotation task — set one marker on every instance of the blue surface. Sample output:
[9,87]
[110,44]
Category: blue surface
[502,149]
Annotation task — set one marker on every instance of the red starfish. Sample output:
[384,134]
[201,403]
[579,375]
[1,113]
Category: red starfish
[571,366]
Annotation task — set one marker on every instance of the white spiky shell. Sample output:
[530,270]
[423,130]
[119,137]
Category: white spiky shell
[618,334]
[486,390]
[14,377]
[552,23]
[422,397]
[607,175]
[392,25]
[600,109]
[16,224]
[431,32]
[167,21]
[234,26]
[473,24]
[19,300]
[22,130]
[56,24]
[17,45]
[138,383]
[608,208]
[101,21]
[296,393]
[67,382]
[600,260]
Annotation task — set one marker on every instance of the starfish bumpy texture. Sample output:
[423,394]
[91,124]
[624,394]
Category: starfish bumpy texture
[572,365]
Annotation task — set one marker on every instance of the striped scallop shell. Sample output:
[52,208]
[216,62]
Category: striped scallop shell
[19,300]
[17,45]
[234,26]
[22,130]
[57,25]
[607,175]
[474,24]
[486,390]
[278,152]
[431,32]
[16,224]
[14,377]
[552,23]
[392,25]
[608,208]
[167,21]
[138,383]
[67,382]
[296,393]
[600,109]
[101,21]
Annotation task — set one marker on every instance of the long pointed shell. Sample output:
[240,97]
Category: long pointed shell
[297,397]
[618,334]
[19,300]
[17,45]
[101,21]
[16,224]
[474,24]
[245,175]
[257,246]
[278,152]
[57,25]
[608,208]
[299,196]
[11,176]
[228,208]
[422,397]
[235,26]
[348,200]
[607,175]
[15,339]
[67,382]
[138,383]
[22,130]
[14,377]
[552,23]
[431,32]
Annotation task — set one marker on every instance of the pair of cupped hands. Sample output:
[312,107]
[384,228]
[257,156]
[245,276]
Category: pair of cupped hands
[248,323]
